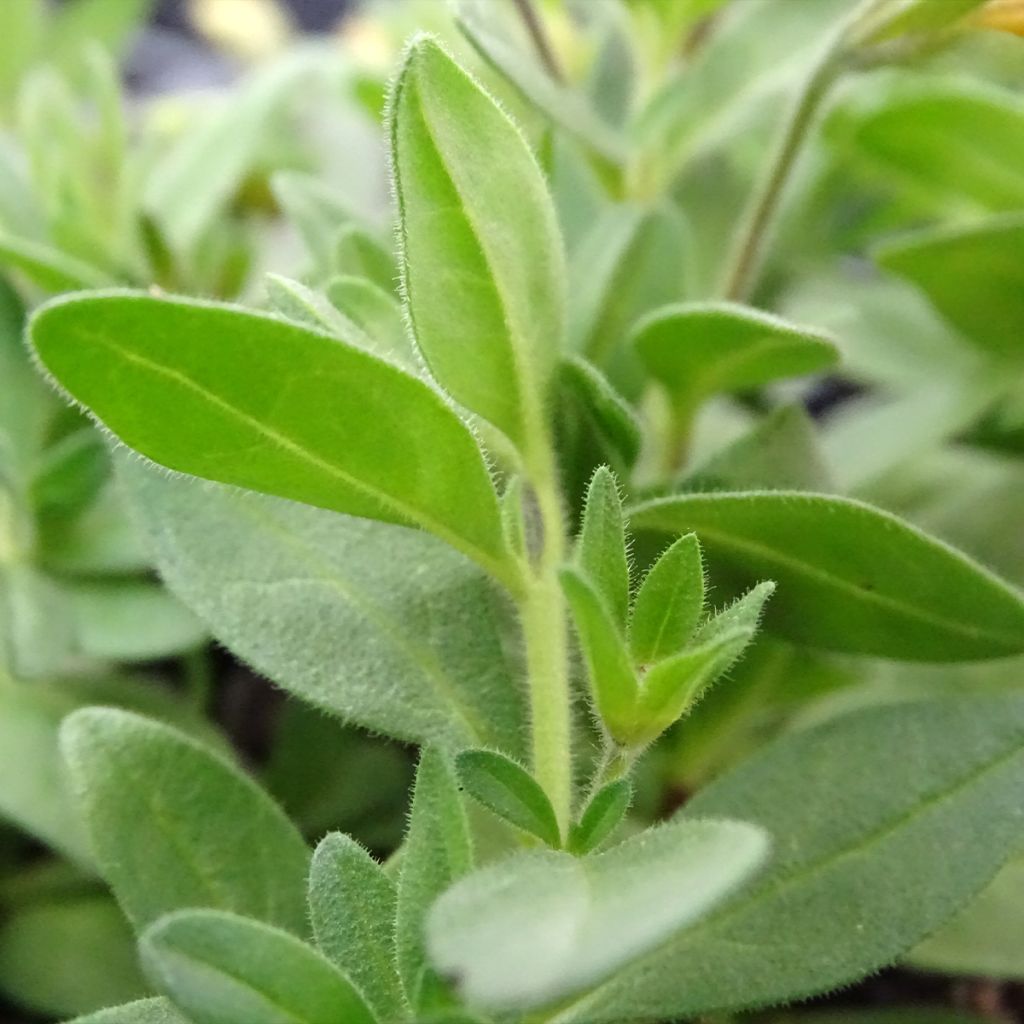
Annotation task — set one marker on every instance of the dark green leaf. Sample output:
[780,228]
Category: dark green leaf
[510,791]
[224,969]
[851,577]
[615,420]
[601,817]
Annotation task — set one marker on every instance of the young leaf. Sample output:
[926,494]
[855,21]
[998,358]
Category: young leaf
[601,817]
[50,268]
[269,412]
[224,969]
[357,253]
[743,614]
[699,349]
[70,473]
[973,276]
[144,1011]
[482,272]
[539,926]
[669,602]
[615,421]
[173,825]
[374,311]
[601,549]
[613,682]
[851,577]
[330,608]
[69,954]
[294,300]
[859,806]
[437,852]
[352,906]
[510,791]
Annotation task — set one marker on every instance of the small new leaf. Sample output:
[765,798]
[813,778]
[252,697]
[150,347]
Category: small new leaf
[601,817]
[510,791]
[601,548]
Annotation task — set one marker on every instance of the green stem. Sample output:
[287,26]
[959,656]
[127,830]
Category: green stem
[545,635]
[761,214]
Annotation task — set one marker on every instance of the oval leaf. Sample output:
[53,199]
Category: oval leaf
[860,806]
[248,399]
[224,969]
[510,791]
[850,577]
[483,277]
[173,825]
[539,926]
[602,815]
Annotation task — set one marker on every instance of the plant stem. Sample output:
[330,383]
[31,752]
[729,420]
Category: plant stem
[535,30]
[762,211]
[545,635]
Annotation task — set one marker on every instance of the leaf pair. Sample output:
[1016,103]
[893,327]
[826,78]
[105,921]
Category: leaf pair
[649,658]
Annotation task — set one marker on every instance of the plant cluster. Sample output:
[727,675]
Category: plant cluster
[536,492]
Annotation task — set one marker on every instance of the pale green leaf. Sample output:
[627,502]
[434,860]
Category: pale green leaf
[510,791]
[224,969]
[859,808]
[252,400]
[374,311]
[850,577]
[174,825]
[483,276]
[437,852]
[145,1011]
[48,267]
[669,602]
[385,626]
[539,926]
[352,906]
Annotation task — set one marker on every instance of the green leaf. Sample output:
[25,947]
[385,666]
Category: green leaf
[902,17]
[173,825]
[74,954]
[352,905]
[986,938]
[859,806]
[510,791]
[483,276]
[294,300]
[901,1016]
[49,268]
[973,275]
[357,253]
[743,614]
[699,349]
[539,926]
[601,548]
[669,602]
[616,423]
[131,620]
[224,969]
[781,452]
[613,682]
[314,210]
[70,473]
[264,413]
[145,1011]
[601,817]
[437,852]
[329,607]
[374,311]
[850,577]
[955,141]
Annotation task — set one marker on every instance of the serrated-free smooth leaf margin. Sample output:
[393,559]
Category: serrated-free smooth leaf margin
[850,577]
[887,822]
[248,399]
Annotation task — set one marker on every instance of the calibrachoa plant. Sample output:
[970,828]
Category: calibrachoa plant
[456,498]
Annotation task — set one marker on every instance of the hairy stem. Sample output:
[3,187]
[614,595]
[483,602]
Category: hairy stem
[545,634]
[759,218]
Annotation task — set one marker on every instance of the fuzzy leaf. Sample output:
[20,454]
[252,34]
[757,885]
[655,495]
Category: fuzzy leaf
[669,602]
[601,817]
[297,302]
[851,577]
[973,275]
[374,311]
[615,421]
[601,549]
[539,926]
[510,791]
[483,276]
[173,825]
[224,969]
[387,627]
[700,349]
[251,400]
[613,682]
[352,906]
[859,806]
[144,1011]
[437,852]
